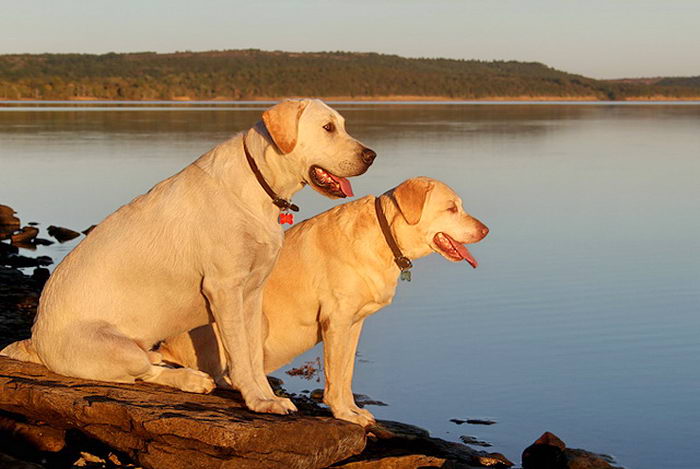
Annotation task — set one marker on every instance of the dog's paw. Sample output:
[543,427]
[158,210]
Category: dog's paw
[355,415]
[273,405]
[195,381]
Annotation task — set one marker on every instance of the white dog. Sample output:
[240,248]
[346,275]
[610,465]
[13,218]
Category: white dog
[196,248]
[336,269]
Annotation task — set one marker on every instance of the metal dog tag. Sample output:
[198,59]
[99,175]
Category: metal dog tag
[405,275]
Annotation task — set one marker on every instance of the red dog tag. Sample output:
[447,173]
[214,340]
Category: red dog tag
[286,218]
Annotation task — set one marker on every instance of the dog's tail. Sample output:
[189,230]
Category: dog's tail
[22,350]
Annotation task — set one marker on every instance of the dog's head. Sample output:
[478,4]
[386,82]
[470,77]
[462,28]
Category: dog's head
[314,133]
[435,217]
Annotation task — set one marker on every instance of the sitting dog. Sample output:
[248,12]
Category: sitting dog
[196,248]
[336,269]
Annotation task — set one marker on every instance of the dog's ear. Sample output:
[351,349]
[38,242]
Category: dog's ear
[282,122]
[410,196]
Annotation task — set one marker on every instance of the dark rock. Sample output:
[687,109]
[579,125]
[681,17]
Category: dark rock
[480,422]
[43,242]
[40,276]
[62,234]
[582,459]
[33,223]
[549,452]
[473,441]
[396,445]
[29,246]
[160,427]
[275,383]
[317,395]
[19,298]
[408,461]
[363,400]
[19,261]
[7,249]
[8,462]
[9,223]
[41,437]
[549,438]
[88,230]
[26,235]
[473,421]
[545,453]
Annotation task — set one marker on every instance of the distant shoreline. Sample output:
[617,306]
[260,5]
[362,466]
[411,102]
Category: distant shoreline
[360,99]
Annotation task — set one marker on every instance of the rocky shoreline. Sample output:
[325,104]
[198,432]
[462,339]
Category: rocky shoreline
[51,421]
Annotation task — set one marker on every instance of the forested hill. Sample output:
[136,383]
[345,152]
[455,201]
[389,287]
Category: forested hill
[250,74]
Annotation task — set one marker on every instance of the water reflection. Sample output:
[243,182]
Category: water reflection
[582,316]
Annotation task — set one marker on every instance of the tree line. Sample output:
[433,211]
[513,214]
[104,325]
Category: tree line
[249,74]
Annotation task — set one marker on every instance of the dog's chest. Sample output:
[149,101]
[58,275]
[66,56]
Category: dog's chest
[369,309]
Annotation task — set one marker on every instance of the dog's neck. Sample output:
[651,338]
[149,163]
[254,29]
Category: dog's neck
[228,165]
[370,245]
[409,238]
[281,172]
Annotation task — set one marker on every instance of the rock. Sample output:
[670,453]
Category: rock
[549,452]
[19,261]
[41,437]
[19,297]
[9,223]
[363,400]
[6,250]
[395,439]
[582,459]
[88,230]
[473,421]
[62,234]
[473,441]
[43,242]
[8,462]
[26,235]
[160,427]
[410,461]
[40,275]
[480,422]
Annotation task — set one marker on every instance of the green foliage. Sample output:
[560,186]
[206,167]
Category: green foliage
[693,82]
[245,74]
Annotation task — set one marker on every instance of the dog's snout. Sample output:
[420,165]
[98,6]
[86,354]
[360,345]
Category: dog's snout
[478,230]
[368,156]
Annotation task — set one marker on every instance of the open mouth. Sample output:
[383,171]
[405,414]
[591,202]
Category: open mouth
[330,184]
[453,250]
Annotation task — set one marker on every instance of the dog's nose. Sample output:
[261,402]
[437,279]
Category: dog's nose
[368,156]
[485,230]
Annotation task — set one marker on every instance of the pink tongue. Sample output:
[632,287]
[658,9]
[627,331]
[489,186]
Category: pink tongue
[345,186]
[464,252]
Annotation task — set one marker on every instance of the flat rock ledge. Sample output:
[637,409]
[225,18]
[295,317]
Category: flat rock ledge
[161,428]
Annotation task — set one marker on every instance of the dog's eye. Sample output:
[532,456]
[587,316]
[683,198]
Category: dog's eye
[329,127]
[452,209]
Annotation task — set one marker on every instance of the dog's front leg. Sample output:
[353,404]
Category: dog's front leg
[340,339]
[235,323]
[256,339]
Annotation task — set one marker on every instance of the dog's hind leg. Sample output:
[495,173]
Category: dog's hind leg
[104,353]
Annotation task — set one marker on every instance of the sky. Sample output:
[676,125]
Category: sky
[596,38]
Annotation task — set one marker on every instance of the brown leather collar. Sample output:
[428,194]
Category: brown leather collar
[283,204]
[402,262]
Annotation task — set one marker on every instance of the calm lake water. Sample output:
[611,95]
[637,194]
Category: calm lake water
[583,316]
